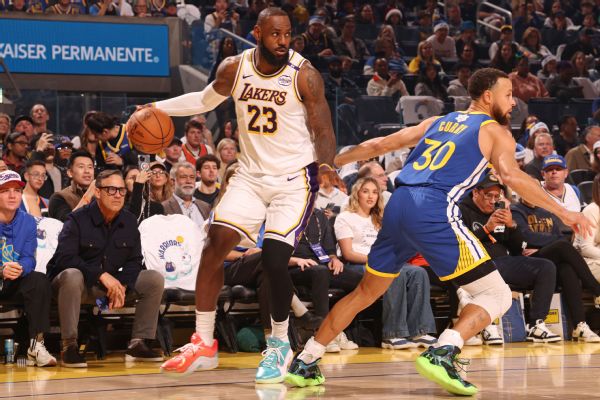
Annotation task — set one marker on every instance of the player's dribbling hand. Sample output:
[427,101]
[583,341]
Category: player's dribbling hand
[579,223]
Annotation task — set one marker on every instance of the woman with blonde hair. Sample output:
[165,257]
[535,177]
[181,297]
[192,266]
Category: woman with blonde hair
[226,153]
[424,56]
[356,227]
[531,45]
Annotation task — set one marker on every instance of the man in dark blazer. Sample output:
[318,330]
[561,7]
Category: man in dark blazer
[99,261]
[182,201]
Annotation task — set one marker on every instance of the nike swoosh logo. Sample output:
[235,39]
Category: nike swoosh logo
[246,76]
[292,178]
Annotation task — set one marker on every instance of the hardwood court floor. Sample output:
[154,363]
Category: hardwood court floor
[515,371]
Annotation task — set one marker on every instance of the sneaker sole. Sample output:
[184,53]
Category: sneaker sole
[424,345]
[583,340]
[295,380]
[77,365]
[498,342]
[438,375]
[140,359]
[399,347]
[534,340]
[282,371]
[201,364]
[33,363]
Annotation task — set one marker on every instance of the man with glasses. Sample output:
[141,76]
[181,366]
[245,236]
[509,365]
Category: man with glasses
[35,176]
[182,201]
[99,261]
[17,147]
[81,190]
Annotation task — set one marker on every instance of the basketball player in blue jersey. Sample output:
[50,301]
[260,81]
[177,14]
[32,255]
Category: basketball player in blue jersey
[451,155]
[281,113]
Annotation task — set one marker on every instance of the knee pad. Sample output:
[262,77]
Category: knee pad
[490,293]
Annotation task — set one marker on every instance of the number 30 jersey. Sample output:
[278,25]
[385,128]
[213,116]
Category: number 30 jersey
[448,156]
[273,128]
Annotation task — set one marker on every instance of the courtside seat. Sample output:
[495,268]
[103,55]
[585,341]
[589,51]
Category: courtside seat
[581,175]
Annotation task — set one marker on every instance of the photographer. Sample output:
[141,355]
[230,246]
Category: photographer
[223,18]
[487,215]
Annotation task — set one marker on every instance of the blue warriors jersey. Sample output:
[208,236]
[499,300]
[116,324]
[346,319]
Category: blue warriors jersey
[119,145]
[448,157]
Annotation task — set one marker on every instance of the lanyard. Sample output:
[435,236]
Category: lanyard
[318,227]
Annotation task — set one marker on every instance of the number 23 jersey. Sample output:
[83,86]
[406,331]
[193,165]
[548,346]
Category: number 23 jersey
[448,156]
[273,127]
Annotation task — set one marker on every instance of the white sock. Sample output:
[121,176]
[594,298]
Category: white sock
[298,307]
[280,329]
[450,337]
[313,350]
[205,325]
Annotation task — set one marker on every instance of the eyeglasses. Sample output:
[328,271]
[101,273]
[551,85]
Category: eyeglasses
[112,190]
[39,176]
[492,197]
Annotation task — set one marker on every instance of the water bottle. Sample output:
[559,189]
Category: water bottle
[9,351]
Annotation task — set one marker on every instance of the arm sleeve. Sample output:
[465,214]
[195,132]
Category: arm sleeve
[192,103]
[27,259]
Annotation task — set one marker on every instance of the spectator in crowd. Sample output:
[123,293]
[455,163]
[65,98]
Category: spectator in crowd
[586,7]
[549,68]
[596,158]
[555,174]
[579,62]
[556,9]
[356,227]
[567,137]
[541,231]
[583,43]
[230,131]
[468,56]
[207,168]
[81,191]
[104,7]
[384,82]
[526,85]
[407,317]
[332,192]
[590,21]
[563,86]
[224,17]
[137,200]
[542,147]
[17,6]
[505,59]
[3,166]
[227,48]
[17,147]
[254,8]
[580,157]
[19,280]
[520,156]
[394,17]
[424,24]
[226,153]
[317,44]
[495,227]
[373,169]
[443,44]
[424,56]
[387,32]
[347,44]
[161,186]
[63,7]
[5,125]
[506,36]
[99,261]
[589,246]
[385,48]
[35,176]
[182,201]
[430,83]
[297,44]
[24,124]
[459,86]
[56,162]
[114,150]
[454,19]
[531,45]
[365,15]
[173,153]
[314,264]
[467,36]
[194,146]
[141,9]
[207,136]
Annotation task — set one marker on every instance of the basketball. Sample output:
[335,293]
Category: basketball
[150,130]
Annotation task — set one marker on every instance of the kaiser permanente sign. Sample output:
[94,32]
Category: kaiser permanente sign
[84,48]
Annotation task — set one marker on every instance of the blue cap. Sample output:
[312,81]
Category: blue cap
[554,160]
[467,26]
[519,152]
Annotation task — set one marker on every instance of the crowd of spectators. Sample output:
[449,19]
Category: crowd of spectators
[100,189]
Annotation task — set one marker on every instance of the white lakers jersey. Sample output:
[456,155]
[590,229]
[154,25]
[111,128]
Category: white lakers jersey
[273,132]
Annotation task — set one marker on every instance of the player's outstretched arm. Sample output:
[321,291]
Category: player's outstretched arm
[311,88]
[207,99]
[407,137]
[498,146]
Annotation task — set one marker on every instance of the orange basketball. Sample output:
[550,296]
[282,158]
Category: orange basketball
[150,130]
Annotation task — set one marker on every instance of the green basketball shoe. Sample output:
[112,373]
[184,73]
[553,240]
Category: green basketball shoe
[301,374]
[440,364]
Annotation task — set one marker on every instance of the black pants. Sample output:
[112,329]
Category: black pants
[530,273]
[33,291]
[572,271]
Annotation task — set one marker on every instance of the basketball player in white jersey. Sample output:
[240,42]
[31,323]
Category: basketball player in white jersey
[282,114]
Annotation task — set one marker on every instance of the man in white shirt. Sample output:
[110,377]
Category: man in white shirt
[458,86]
[384,82]
[555,173]
[182,201]
[443,45]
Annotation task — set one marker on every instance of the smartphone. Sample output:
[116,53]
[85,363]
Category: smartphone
[499,205]
[330,206]
[143,162]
